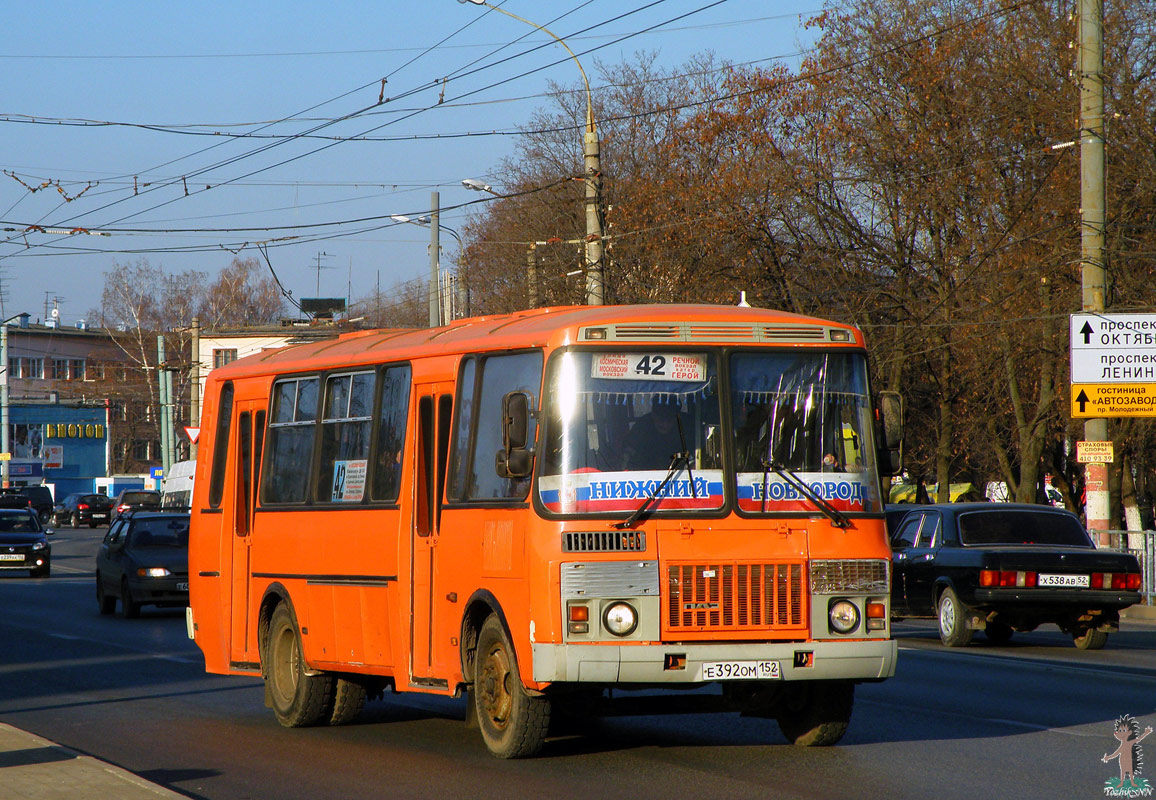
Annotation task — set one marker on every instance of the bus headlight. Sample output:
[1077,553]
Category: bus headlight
[843,616]
[620,618]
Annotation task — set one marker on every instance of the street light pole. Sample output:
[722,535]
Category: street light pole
[592,163]
[436,300]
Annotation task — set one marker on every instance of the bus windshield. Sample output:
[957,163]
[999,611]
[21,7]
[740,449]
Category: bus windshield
[619,423]
[626,427]
[803,417]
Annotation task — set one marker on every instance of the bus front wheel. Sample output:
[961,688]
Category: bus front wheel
[298,698]
[513,723]
[816,713]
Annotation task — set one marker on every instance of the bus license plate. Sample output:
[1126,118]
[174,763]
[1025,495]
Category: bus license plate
[740,671]
[1078,581]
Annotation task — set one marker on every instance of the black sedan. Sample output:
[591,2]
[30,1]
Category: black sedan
[24,543]
[1003,567]
[83,509]
[144,560]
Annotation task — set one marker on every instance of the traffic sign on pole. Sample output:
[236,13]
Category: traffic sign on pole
[1113,348]
[1113,359]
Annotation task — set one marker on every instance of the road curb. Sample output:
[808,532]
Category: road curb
[33,768]
[1139,612]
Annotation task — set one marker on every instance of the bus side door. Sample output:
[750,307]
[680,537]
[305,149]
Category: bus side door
[250,428]
[434,411]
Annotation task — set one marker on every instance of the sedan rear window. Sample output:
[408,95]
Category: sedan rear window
[1005,526]
[161,533]
[142,498]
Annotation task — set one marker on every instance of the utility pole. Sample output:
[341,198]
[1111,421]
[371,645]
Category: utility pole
[162,388]
[435,303]
[595,282]
[195,384]
[5,450]
[532,275]
[1093,274]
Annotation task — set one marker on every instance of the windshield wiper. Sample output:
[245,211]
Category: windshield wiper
[677,462]
[837,517]
[686,457]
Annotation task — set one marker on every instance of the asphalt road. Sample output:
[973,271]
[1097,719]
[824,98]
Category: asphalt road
[1031,719]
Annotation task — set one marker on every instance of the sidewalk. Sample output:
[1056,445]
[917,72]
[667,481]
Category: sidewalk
[32,768]
[1147,613]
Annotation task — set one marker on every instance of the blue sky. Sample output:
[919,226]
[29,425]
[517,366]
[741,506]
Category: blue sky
[170,188]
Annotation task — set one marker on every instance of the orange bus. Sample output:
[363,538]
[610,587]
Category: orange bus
[539,507]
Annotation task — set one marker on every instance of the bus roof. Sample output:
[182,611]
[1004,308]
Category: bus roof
[554,327]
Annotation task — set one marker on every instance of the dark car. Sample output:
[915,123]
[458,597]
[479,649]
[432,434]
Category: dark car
[1004,567]
[144,561]
[24,542]
[37,497]
[83,509]
[133,499]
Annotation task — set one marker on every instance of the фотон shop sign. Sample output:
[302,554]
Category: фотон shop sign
[73,430]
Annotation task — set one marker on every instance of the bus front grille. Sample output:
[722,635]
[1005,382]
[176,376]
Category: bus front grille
[735,596]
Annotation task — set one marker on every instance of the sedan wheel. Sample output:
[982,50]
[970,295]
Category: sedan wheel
[107,603]
[128,607]
[953,630]
[1090,639]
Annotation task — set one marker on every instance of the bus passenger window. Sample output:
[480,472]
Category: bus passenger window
[345,438]
[221,445]
[290,446]
[394,411]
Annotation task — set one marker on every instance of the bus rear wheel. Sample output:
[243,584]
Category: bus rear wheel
[348,700]
[513,723]
[298,698]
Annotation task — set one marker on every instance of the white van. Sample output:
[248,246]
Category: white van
[177,485]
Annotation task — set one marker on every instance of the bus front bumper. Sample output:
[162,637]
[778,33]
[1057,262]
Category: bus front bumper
[692,663]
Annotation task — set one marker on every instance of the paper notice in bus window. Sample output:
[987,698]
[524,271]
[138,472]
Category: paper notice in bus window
[687,367]
[348,481]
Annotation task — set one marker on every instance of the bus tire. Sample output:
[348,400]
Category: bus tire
[513,723]
[298,699]
[348,700]
[816,713]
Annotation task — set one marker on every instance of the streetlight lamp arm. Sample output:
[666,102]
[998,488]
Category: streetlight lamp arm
[589,101]
[593,168]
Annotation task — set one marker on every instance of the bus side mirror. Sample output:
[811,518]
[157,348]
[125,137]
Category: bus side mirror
[891,413]
[516,458]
